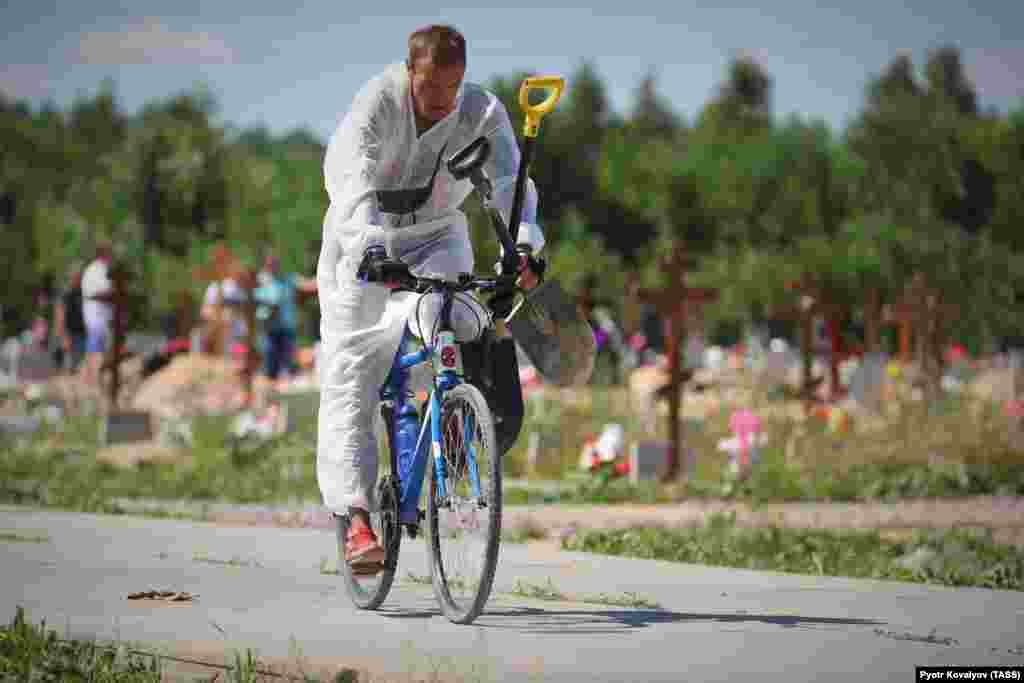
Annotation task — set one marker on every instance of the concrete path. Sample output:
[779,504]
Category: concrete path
[262,588]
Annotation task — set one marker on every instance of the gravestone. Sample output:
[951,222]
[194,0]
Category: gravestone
[125,427]
[868,380]
[646,459]
[14,425]
[33,365]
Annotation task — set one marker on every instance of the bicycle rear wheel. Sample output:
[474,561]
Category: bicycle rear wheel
[465,525]
[369,591]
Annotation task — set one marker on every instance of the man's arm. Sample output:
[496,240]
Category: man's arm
[354,152]
[350,170]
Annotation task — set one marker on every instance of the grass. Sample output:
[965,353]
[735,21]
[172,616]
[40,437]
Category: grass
[232,562]
[536,591]
[527,530]
[33,652]
[548,591]
[51,472]
[419,579]
[961,450]
[775,479]
[329,567]
[954,557]
[16,537]
[625,599]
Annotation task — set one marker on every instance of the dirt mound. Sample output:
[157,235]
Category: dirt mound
[191,384]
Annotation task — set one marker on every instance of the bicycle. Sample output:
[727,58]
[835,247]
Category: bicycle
[457,436]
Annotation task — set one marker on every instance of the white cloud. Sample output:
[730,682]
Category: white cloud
[149,42]
[25,81]
[996,72]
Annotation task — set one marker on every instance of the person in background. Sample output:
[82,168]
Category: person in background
[69,322]
[223,325]
[97,311]
[276,296]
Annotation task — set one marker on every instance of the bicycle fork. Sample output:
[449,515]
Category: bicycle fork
[410,460]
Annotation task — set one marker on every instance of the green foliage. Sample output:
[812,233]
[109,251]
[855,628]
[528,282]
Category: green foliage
[217,468]
[957,557]
[919,180]
[34,653]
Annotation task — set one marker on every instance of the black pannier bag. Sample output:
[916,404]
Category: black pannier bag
[490,364]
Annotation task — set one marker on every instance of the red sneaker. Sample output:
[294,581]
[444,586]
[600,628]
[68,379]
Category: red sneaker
[363,552]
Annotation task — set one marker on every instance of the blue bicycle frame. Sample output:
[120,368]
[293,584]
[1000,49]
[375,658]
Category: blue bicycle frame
[412,467]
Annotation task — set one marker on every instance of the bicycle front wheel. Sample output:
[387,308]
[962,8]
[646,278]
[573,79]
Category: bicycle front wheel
[464,520]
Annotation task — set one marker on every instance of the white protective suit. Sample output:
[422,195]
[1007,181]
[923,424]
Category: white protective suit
[376,148]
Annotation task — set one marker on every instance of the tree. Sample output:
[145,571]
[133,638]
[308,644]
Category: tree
[180,173]
[652,117]
[948,85]
[744,102]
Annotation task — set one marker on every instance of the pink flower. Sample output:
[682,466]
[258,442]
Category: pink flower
[1015,408]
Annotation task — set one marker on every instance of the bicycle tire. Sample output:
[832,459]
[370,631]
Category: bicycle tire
[453,519]
[369,592]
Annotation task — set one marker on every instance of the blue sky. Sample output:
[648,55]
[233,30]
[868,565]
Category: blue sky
[269,64]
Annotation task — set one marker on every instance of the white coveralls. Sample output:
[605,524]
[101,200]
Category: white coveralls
[376,147]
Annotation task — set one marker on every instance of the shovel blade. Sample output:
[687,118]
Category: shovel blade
[554,334]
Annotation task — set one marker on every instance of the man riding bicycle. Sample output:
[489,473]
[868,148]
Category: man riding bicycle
[390,194]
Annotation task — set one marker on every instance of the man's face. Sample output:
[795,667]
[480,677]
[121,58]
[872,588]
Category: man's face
[434,88]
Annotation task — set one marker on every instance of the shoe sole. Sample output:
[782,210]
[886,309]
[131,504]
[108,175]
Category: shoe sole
[367,568]
[367,562]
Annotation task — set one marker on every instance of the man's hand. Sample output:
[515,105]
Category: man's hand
[378,269]
[527,278]
[531,268]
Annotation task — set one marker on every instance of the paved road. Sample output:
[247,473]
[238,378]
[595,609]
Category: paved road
[712,624]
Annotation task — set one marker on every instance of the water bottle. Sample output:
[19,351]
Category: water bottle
[407,427]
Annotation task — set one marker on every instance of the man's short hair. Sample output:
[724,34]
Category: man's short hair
[442,44]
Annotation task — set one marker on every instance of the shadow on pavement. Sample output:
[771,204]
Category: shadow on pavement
[586,621]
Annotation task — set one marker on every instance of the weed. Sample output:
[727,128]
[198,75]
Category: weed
[421,579]
[625,599]
[958,557]
[527,530]
[233,562]
[329,567]
[30,652]
[16,537]
[547,591]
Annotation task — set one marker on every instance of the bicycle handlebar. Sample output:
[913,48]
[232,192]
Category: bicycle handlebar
[466,282]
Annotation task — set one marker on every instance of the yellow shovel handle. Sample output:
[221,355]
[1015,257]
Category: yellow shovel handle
[534,112]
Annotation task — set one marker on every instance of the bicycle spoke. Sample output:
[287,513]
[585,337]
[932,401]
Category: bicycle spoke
[465,524]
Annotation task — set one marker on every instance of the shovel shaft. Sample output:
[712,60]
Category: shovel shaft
[517,198]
